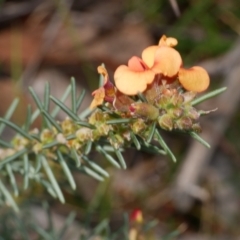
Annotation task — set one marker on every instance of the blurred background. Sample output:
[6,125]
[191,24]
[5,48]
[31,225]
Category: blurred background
[52,40]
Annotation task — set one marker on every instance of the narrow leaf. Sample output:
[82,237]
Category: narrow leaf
[76,157]
[135,141]
[36,98]
[96,167]
[208,95]
[26,171]
[16,128]
[9,113]
[165,146]
[12,179]
[88,147]
[151,132]
[52,120]
[13,157]
[121,158]
[80,98]
[63,99]
[66,170]
[85,113]
[46,96]
[74,100]
[35,115]
[8,197]
[51,144]
[201,140]
[65,108]
[108,157]
[119,121]
[67,223]
[52,179]
[5,144]
[91,173]
[28,119]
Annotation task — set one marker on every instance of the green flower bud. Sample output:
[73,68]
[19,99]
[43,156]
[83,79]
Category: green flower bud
[175,113]
[163,101]
[138,125]
[166,122]
[47,136]
[184,123]
[68,126]
[144,110]
[177,100]
[192,113]
[116,141]
[196,128]
[84,134]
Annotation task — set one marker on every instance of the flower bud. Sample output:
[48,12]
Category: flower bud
[177,100]
[166,122]
[46,136]
[138,125]
[116,141]
[144,110]
[176,113]
[184,123]
[196,128]
[84,134]
[68,126]
[192,113]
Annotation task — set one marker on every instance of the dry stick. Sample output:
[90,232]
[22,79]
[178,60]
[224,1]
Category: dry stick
[186,186]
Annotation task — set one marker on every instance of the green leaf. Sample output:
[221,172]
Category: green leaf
[66,170]
[46,96]
[164,145]
[52,179]
[108,157]
[26,171]
[74,100]
[96,167]
[52,120]
[80,98]
[201,140]
[208,95]
[151,132]
[63,99]
[9,113]
[135,141]
[119,121]
[13,157]
[8,197]
[69,112]
[16,128]
[36,99]
[12,179]
[91,173]
[120,158]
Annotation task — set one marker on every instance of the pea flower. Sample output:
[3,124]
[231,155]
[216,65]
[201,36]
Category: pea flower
[159,62]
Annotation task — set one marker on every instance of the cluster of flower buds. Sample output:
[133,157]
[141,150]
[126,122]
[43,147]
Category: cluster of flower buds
[155,88]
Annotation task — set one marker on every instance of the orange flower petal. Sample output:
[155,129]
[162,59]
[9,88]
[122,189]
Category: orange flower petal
[148,55]
[168,41]
[103,71]
[131,82]
[136,64]
[195,79]
[167,61]
[98,99]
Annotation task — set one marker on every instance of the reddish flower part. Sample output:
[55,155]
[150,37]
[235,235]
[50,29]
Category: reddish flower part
[136,216]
